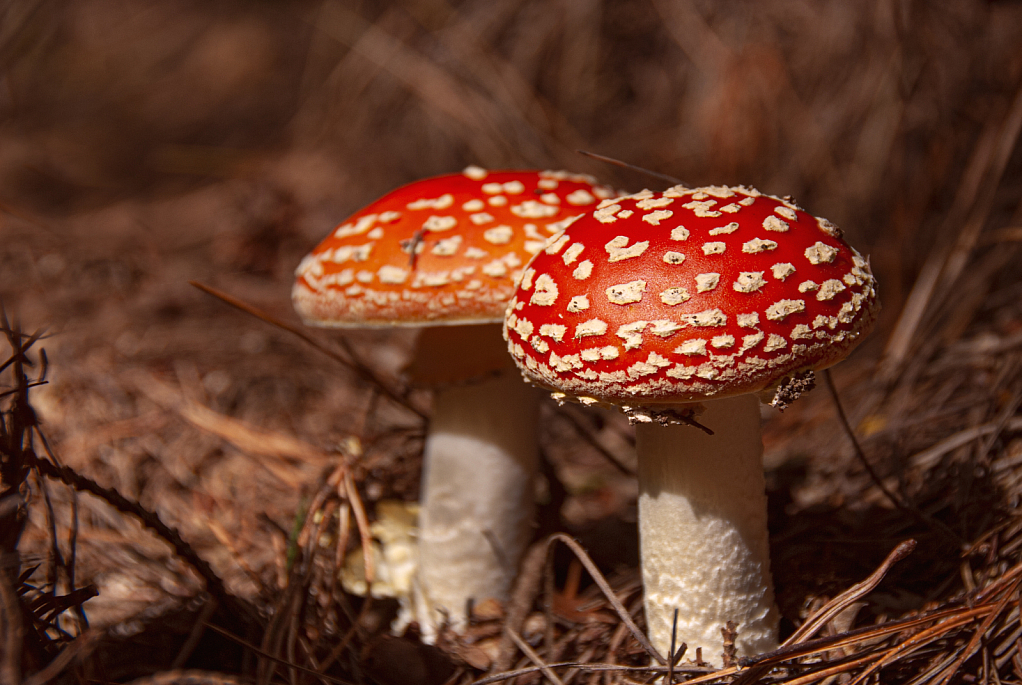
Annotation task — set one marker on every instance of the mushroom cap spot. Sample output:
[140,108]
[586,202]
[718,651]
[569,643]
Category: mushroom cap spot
[654,362]
[750,341]
[782,270]
[447,247]
[609,352]
[656,217]
[606,214]
[674,295]
[787,212]
[474,205]
[731,208]
[679,233]
[525,282]
[546,291]
[524,327]
[362,225]
[580,197]
[706,282]
[530,209]
[783,308]
[497,201]
[474,172]
[572,253]
[514,187]
[775,342]
[828,228]
[654,203]
[618,248]
[722,342]
[749,281]
[820,253]
[801,332]
[431,279]
[556,243]
[578,303]
[492,188]
[626,293]
[758,245]
[590,328]
[550,198]
[498,235]
[442,202]
[497,268]
[474,252]
[674,258]
[553,330]
[539,344]
[681,372]
[718,191]
[829,289]
[480,218]
[439,223]
[708,317]
[702,209]
[726,229]
[665,328]
[692,347]
[772,223]
[806,286]
[583,270]
[643,194]
[714,248]
[631,333]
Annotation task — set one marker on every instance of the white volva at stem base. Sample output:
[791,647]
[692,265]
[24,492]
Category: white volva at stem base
[703,532]
[477,497]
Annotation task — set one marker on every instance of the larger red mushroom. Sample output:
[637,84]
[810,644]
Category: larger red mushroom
[682,305]
[444,253]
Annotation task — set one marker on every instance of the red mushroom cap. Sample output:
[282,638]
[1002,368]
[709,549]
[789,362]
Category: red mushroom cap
[690,294]
[471,234]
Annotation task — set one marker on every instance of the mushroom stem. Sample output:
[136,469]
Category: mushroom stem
[703,533]
[477,497]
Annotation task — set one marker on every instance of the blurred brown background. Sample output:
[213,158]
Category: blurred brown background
[143,144]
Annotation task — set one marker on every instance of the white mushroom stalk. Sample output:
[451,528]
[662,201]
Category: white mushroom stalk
[703,531]
[477,491]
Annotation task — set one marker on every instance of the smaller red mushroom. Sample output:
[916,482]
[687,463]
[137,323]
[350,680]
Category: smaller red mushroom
[443,253]
[670,304]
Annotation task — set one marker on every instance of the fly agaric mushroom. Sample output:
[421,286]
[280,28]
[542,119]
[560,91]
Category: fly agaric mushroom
[445,252]
[659,303]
